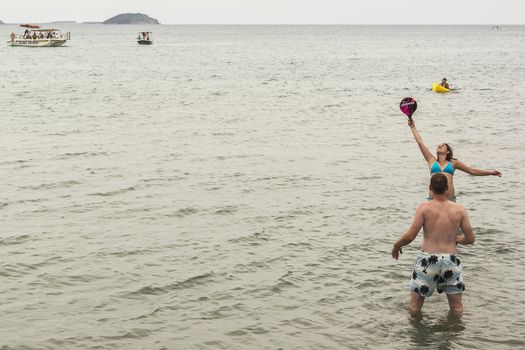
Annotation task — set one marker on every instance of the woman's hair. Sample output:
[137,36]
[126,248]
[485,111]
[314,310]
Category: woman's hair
[450,154]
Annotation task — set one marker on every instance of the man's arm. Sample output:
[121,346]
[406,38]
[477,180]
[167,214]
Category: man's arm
[411,233]
[468,234]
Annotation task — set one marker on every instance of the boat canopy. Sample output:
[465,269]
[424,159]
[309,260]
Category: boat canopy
[32,26]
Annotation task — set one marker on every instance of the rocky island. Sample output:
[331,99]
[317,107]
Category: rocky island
[131,18]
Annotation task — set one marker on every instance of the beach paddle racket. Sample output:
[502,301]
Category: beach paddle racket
[408,106]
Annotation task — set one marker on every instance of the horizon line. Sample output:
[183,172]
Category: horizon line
[272,24]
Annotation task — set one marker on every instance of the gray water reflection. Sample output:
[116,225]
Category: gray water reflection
[435,332]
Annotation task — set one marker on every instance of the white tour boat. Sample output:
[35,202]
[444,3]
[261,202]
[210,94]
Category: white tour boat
[34,36]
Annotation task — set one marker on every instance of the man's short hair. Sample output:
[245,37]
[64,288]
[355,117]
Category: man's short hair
[438,183]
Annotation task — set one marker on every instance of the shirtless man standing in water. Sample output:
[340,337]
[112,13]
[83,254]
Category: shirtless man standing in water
[437,265]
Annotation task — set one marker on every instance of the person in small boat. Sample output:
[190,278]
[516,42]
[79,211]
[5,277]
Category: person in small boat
[26,34]
[444,83]
[444,162]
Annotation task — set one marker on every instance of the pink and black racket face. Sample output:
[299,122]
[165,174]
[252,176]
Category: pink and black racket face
[408,106]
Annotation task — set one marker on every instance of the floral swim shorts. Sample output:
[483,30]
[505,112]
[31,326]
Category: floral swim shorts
[437,270]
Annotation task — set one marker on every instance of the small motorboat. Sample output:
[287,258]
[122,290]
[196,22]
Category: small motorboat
[145,38]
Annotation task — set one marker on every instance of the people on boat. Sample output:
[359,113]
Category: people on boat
[444,83]
[445,163]
[143,36]
[38,35]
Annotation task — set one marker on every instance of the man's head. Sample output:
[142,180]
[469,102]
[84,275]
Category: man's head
[438,184]
[444,80]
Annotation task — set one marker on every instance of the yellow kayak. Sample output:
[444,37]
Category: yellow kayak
[439,88]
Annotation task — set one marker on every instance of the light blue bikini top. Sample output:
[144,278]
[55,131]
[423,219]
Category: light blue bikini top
[449,169]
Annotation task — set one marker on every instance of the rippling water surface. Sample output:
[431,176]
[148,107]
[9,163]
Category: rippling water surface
[240,187]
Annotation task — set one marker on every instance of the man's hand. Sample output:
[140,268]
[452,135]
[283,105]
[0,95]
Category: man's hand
[396,251]
[411,122]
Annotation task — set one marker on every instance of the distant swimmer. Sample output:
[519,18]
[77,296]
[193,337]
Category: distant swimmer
[444,83]
[437,266]
[445,163]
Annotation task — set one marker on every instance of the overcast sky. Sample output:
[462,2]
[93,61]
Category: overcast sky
[272,11]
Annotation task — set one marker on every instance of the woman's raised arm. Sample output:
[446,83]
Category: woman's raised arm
[424,149]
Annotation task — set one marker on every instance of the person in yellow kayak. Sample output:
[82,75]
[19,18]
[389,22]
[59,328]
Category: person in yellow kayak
[444,83]
[444,162]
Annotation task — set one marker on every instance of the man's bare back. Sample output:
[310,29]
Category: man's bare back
[441,221]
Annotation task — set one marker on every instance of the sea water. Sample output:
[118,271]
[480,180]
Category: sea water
[240,187]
